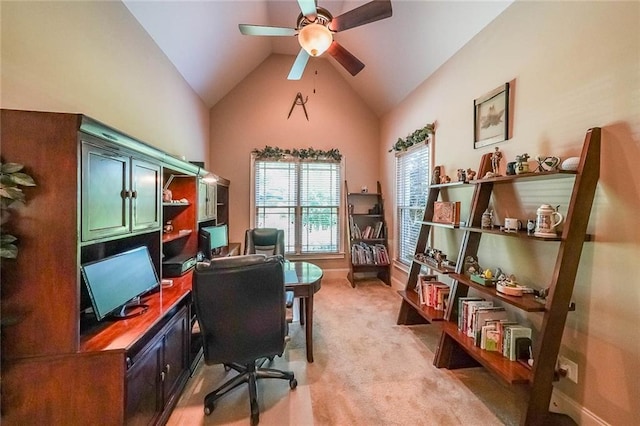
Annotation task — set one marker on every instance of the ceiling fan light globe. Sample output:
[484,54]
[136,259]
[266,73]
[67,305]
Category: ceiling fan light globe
[315,39]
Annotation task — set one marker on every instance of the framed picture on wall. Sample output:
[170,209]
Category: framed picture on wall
[491,117]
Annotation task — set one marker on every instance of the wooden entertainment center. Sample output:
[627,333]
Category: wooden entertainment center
[99,192]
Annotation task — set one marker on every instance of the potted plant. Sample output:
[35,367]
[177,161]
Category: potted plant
[11,180]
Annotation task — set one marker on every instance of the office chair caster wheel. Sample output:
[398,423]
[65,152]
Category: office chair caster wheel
[208,409]
[293,383]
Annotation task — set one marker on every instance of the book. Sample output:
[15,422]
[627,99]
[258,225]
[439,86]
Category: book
[423,287]
[515,332]
[461,303]
[446,212]
[471,308]
[484,315]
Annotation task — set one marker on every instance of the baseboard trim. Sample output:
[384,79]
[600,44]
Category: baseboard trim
[561,403]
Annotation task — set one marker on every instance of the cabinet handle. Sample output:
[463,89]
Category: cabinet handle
[167,368]
[134,194]
[162,376]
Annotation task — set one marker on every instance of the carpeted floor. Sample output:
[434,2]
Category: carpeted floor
[367,371]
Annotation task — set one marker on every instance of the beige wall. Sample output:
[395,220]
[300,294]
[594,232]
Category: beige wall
[94,58]
[254,114]
[576,65]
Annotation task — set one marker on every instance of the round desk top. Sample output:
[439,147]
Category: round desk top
[307,273]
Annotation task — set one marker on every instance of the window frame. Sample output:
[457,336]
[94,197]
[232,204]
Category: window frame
[298,254]
[428,146]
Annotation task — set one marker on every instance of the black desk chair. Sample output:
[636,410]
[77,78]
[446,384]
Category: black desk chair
[264,241]
[268,241]
[240,306]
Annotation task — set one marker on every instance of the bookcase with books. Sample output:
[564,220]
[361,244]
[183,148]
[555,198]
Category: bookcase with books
[478,328]
[367,234]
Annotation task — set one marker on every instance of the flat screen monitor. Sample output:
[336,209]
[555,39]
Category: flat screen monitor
[116,280]
[212,239]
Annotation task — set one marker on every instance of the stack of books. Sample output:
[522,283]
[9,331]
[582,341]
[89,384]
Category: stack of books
[490,327]
[369,254]
[433,293]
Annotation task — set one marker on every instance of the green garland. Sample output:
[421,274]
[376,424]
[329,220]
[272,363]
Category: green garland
[414,138]
[275,153]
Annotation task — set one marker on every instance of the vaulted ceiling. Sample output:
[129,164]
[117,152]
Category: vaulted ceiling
[202,40]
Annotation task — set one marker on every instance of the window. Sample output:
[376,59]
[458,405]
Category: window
[303,198]
[412,182]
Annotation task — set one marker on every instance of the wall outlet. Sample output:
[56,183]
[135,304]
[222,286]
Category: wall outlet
[570,367]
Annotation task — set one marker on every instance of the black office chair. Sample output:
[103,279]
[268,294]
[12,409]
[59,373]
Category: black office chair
[264,241]
[240,306]
[268,241]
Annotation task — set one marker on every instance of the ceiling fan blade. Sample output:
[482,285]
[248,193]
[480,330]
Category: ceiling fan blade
[264,30]
[345,58]
[308,8]
[365,14]
[298,66]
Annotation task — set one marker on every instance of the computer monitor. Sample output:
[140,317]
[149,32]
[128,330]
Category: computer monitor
[212,239]
[114,282]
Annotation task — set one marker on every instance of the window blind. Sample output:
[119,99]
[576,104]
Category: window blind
[304,199]
[412,183]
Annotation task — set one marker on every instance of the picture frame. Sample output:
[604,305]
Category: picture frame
[491,117]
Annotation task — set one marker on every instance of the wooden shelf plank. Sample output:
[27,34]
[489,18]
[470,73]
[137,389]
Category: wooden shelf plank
[556,174]
[442,225]
[426,312]
[171,236]
[526,302]
[511,372]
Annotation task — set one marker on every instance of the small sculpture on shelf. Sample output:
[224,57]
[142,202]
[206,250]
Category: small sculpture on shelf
[445,179]
[168,227]
[435,179]
[487,219]
[462,175]
[547,164]
[471,175]
[496,157]
[522,163]
[471,265]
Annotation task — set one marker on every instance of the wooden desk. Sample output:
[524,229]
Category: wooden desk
[233,249]
[304,279]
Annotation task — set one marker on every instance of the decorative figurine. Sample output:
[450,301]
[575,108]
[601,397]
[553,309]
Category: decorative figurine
[487,219]
[547,164]
[436,176]
[522,165]
[445,179]
[471,175]
[495,162]
[462,175]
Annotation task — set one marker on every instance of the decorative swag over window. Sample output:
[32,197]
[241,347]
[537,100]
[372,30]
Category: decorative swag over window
[299,191]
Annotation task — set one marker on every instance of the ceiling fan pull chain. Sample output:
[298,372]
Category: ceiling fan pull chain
[314,81]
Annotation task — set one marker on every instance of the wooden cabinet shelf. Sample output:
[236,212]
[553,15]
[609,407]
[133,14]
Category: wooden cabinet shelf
[178,204]
[172,236]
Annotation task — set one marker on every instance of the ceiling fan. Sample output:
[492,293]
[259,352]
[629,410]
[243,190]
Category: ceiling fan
[315,29]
